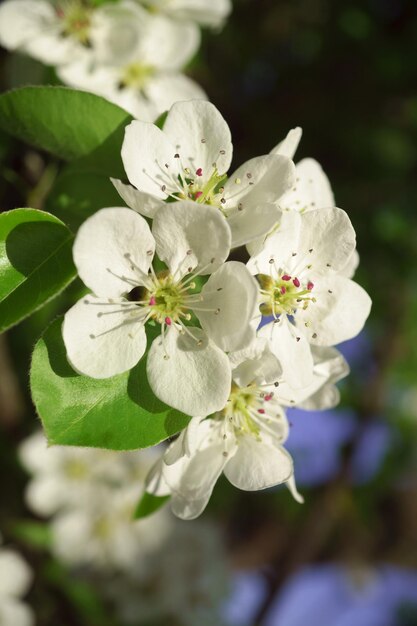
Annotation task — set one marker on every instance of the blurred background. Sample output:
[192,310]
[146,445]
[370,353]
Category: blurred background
[346,72]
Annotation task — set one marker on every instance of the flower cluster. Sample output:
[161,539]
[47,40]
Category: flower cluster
[154,567]
[131,53]
[230,343]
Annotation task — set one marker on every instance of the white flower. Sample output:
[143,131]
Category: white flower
[311,191]
[64,477]
[311,303]
[144,76]
[104,333]
[189,159]
[191,571]
[15,580]
[205,12]
[102,533]
[244,441]
[51,33]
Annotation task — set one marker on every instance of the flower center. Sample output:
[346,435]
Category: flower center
[284,294]
[76,20]
[248,409]
[76,469]
[195,186]
[169,300]
[136,75]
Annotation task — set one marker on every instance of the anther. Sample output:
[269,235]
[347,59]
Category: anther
[261,411]
[222,151]
[163,188]
[283,290]
[268,397]
[330,291]
[328,265]
[199,342]
[225,453]
[248,175]
[296,282]
[298,339]
[223,200]
[240,207]
[219,288]
[152,301]
[166,165]
[271,261]
[311,250]
[203,141]
[276,384]
[286,277]
[176,155]
[310,285]
[168,321]
[314,335]
[199,172]
[217,311]
[237,181]
[92,336]
[198,194]
[212,260]
[294,254]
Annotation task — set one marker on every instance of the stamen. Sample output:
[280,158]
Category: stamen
[199,172]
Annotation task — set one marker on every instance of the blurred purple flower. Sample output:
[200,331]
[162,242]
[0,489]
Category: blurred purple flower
[247,593]
[331,595]
[317,438]
[358,353]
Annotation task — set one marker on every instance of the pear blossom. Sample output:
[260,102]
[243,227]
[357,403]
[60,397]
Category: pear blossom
[53,33]
[144,75]
[66,476]
[244,441]
[311,191]
[308,301]
[15,580]
[189,159]
[104,333]
[210,13]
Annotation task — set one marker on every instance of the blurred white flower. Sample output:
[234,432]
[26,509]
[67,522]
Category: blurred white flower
[185,580]
[137,61]
[210,13]
[15,580]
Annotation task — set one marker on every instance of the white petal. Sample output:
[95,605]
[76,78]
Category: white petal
[231,294]
[200,135]
[146,152]
[102,340]
[256,363]
[294,491]
[164,89]
[348,271]
[195,379]
[279,245]
[292,350]
[188,234]
[329,367]
[141,202]
[205,13]
[112,251]
[311,189]
[23,20]
[257,465]
[253,222]
[168,44]
[260,180]
[330,236]
[15,575]
[288,146]
[44,494]
[81,74]
[155,482]
[339,313]
[15,613]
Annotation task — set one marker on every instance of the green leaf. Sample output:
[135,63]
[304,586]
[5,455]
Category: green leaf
[35,262]
[77,195]
[34,534]
[119,413]
[69,124]
[149,504]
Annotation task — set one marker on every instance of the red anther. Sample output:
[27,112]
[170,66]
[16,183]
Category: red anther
[152,301]
[198,194]
[199,172]
[296,282]
[268,397]
[310,285]
[286,277]
[261,411]
[168,321]
[283,290]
